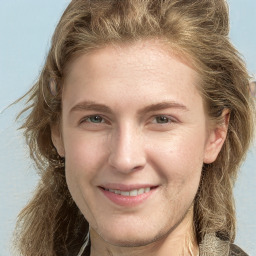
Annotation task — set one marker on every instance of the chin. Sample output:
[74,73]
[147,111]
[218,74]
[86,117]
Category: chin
[130,242]
[132,238]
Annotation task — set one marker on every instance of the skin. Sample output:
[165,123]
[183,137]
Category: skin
[253,88]
[129,143]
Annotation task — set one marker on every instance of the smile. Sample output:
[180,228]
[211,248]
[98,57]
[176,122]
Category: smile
[134,192]
[128,196]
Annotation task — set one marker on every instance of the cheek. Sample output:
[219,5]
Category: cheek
[84,154]
[178,157]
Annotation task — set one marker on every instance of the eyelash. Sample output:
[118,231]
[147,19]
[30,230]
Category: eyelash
[84,120]
[167,119]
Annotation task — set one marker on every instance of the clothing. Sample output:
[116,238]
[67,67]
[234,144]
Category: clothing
[234,251]
[211,245]
[216,245]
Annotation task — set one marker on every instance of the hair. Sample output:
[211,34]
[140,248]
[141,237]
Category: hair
[51,223]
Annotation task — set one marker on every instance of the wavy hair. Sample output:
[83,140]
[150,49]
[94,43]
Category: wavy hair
[51,224]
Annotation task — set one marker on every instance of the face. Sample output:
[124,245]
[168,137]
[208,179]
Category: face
[134,135]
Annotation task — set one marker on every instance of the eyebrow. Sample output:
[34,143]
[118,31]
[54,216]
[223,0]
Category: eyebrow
[163,105]
[90,105]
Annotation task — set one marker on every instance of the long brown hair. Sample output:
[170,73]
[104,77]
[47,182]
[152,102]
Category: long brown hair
[51,224]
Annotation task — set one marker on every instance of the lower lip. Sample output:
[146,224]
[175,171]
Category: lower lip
[128,201]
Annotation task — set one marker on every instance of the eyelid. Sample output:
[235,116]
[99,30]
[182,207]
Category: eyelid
[169,117]
[85,118]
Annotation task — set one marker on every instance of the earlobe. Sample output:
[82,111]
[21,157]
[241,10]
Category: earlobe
[57,140]
[216,138]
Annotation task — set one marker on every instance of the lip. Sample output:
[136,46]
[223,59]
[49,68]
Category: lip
[127,201]
[124,187]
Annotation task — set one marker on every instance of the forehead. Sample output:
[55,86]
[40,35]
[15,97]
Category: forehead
[151,54]
[144,69]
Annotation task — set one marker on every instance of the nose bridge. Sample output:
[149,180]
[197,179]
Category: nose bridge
[127,151]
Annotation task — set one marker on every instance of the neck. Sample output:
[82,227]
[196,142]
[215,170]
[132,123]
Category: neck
[179,242]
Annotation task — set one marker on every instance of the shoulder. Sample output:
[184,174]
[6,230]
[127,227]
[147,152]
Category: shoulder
[215,246]
[236,251]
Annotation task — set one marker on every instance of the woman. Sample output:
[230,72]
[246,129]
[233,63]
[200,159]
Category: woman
[139,122]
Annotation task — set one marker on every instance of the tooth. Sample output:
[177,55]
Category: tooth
[118,192]
[141,191]
[125,193]
[147,190]
[134,192]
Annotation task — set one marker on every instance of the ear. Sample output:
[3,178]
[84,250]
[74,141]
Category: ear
[57,140]
[216,138]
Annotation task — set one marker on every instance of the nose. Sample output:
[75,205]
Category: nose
[127,150]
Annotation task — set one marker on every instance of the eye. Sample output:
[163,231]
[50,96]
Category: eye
[96,119]
[162,123]
[94,123]
[163,119]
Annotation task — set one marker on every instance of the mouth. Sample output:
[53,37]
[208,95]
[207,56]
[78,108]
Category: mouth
[128,196]
[134,192]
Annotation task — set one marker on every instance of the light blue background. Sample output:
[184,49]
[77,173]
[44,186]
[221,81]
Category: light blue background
[26,27]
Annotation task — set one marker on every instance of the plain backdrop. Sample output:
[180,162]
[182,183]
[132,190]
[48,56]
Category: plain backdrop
[26,27]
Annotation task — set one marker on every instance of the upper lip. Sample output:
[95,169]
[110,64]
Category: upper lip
[124,187]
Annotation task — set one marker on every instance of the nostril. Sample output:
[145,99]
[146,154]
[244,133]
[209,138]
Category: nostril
[137,168]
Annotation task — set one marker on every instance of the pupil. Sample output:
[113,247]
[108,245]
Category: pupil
[96,119]
[162,119]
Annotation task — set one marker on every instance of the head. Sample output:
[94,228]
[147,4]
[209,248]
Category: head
[191,36]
